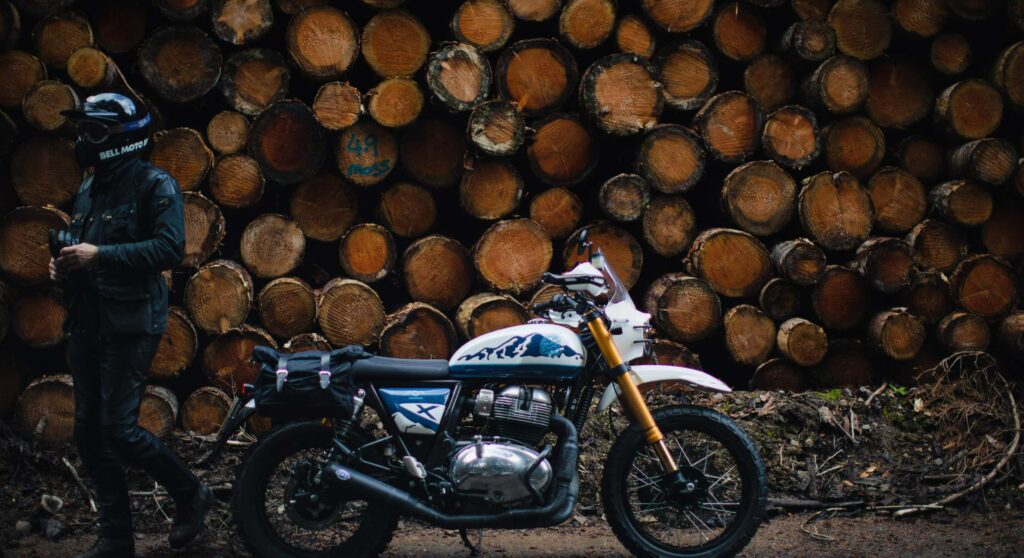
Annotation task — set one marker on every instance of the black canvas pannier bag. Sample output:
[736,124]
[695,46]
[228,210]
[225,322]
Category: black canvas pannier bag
[307,384]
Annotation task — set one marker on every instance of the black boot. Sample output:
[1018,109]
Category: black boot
[107,547]
[189,516]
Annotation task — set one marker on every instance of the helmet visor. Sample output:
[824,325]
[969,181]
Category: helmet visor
[91,130]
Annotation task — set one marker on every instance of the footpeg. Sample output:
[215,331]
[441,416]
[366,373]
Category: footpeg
[414,467]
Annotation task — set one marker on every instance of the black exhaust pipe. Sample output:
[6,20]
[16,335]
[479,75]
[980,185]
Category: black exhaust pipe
[554,512]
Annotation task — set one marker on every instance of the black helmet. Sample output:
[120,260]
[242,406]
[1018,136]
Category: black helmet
[110,126]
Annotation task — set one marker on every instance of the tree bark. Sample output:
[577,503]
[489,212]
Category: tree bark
[961,202]
[989,160]
[811,40]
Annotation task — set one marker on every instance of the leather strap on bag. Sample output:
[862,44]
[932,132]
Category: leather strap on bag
[282,371]
[325,370]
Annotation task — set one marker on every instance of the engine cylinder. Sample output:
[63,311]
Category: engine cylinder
[522,413]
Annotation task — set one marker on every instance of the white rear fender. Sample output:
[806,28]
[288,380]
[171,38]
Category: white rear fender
[659,373]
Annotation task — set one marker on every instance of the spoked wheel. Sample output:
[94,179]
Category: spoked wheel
[711,508]
[282,506]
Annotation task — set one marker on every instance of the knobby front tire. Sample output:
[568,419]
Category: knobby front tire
[717,521]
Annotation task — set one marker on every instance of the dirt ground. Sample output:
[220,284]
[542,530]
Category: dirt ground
[945,535]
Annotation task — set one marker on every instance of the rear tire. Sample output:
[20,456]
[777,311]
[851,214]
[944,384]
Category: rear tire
[254,516]
[736,508]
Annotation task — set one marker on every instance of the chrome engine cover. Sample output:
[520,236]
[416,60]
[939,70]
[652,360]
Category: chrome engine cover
[495,470]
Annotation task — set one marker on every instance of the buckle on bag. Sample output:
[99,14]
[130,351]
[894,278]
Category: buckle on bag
[282,377]
[325,379]
[325,370]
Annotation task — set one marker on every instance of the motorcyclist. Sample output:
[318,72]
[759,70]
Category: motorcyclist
[126,227]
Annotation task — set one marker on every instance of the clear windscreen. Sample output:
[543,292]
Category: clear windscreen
[619,291]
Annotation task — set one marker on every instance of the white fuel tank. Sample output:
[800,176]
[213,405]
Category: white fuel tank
[541,352]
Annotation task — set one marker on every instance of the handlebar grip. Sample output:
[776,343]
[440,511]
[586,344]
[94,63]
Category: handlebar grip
[555,302]
[553,279]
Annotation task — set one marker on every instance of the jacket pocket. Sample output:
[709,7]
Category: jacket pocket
[120,223]
[124,308]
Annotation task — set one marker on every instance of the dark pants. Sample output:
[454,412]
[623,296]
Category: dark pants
[110,378]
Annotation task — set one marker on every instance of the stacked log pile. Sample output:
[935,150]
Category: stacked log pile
[805,193]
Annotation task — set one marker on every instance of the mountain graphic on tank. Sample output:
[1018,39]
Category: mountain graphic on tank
[533,345]
[527,352]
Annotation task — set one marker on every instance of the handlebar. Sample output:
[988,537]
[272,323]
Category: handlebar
[569,280]
[558,302]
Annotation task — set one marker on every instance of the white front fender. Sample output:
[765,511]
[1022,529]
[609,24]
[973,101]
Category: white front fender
[654,373]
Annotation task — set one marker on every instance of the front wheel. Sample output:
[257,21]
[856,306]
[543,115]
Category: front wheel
[715,513]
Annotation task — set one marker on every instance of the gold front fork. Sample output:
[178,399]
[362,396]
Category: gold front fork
[630,395]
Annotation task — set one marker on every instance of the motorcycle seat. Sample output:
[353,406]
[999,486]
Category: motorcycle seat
[401,369]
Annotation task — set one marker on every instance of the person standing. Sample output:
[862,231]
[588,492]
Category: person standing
[126,227]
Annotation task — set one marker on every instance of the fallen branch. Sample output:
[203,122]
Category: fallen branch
[81,484]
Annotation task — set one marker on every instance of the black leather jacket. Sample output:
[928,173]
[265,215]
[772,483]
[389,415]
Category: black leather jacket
[133,212]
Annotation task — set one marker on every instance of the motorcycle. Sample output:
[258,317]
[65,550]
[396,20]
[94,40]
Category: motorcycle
[465,443]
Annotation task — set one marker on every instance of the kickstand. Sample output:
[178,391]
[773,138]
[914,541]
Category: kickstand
[474,549]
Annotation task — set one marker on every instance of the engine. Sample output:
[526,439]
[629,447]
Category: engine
[497,470]
[522,413]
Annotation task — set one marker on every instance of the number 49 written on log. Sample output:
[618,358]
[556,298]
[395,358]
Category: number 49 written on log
[359,146]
